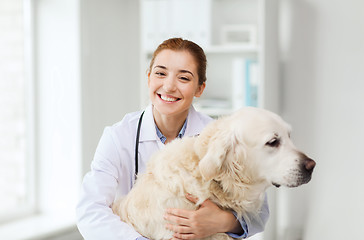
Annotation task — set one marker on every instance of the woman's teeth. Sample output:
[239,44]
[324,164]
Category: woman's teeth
[168,99]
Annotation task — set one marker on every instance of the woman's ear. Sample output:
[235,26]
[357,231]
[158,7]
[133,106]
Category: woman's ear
[148,78]
[200,90]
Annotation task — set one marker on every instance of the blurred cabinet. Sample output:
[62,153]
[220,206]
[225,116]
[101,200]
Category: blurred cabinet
[240,39]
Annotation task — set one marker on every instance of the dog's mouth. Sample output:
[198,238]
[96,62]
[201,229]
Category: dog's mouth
[300,180]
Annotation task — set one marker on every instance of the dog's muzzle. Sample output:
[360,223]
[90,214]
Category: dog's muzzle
[300,175]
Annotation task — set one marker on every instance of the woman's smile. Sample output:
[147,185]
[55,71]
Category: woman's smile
[168,98]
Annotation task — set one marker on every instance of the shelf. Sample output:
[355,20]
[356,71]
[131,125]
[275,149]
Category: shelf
[224,49]
[232,49]
[239,38]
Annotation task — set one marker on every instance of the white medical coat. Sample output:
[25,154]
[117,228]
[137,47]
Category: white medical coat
[112,175]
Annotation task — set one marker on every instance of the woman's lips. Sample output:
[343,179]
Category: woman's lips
[168,98]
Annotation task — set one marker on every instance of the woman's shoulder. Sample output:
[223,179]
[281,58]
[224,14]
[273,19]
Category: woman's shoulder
[129,118]
[196,121]
[204,118]
[126,124]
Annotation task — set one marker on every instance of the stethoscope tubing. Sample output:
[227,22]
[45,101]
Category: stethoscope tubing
[137,145]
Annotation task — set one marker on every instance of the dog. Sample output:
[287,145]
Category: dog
[232,162]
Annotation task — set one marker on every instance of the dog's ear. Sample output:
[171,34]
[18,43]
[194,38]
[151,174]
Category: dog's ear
[212,146]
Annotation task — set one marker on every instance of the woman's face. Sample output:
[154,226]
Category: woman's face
[173,82]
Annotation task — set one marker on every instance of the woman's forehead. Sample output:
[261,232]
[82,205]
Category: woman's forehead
[175,59]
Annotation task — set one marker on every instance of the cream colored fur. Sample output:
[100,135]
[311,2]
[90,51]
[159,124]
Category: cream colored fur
[232,162]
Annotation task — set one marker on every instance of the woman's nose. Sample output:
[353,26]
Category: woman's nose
[169,84]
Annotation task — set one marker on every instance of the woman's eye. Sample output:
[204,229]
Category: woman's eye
[160,73]
[185,78]
[273,142]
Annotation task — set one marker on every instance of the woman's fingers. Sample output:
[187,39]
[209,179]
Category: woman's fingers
[177,216]
[191,198]
[179,236]
[178,228]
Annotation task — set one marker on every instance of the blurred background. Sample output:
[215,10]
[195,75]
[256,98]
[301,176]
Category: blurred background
[68,68]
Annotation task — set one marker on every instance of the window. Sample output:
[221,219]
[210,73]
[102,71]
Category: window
[40,115]
[16,116]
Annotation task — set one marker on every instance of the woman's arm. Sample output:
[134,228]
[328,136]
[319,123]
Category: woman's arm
[202,222]
[257,224]
[210,219]
[95,218]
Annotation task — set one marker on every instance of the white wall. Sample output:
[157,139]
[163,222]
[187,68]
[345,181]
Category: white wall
[323,94]
[110,67]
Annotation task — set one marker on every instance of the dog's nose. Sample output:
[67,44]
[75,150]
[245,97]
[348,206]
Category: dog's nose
[309,164]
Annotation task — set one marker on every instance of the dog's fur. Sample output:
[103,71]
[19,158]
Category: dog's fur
[233,161]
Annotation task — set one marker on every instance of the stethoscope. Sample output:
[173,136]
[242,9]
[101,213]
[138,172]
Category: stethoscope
[137,144]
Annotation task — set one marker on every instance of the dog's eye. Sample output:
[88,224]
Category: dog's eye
[273,142]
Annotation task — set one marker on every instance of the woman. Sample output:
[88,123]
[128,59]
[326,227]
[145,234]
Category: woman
[176,75]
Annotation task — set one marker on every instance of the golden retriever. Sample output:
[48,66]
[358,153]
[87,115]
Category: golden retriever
[232,162]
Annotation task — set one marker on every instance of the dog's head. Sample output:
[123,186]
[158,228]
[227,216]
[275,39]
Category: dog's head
[253,146]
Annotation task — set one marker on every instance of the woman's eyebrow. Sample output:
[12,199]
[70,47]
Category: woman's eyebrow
[186,71]
[182,71]
[160,66]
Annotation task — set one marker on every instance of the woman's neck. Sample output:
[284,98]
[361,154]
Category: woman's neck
[169,126]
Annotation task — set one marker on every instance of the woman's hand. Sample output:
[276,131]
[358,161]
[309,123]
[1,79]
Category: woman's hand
[207,220]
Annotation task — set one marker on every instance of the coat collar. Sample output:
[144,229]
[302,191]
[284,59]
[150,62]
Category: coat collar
[148,132]
[194,123]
